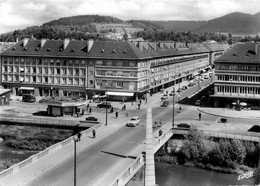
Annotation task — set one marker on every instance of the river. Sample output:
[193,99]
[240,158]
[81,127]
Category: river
[171,175]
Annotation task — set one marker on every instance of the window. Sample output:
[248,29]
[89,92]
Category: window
[58,71]
[64,71]
[69,81]
[76,72]
[109,63]
[57,80]
[27,70]
[51,62]
[99,63]
[76,81]
[119,83]
[40,70]
[16,78]
[27,79]
[132,64]
[33,79]
[83,62]
[70,62]
[51,70]
[45,61]
[5,69]
[64,62]
[39,79]
[83,72]
[4,77]
[10,78]
[40,62]
[57,62]
[91,72]
[5,60]
[33,61]
[70,71]
[51,80]
[63,81]
[45,70]
[82,82]
[34,70]
[119,63]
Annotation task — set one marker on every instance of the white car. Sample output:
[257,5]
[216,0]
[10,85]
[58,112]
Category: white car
[134,121]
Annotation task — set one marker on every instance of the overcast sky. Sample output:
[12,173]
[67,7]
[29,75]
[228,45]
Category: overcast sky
[19,14]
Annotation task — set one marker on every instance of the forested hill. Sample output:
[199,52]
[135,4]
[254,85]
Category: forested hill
[83,20]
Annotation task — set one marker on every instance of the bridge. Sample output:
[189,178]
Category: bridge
[26,171]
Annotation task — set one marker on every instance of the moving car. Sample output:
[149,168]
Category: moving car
[165,103]
[134,121]
[103,105]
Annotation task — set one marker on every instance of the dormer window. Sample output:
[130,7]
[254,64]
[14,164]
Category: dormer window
[37,49]
[102,51]
[125,51]
[14,48]
[48,49]
[25,48]
[60,49]
[73,50]
[114,51]
[234,54]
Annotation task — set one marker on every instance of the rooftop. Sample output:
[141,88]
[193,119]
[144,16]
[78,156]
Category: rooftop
[242,53]
[104,49]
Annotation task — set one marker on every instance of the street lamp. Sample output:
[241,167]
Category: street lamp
[173,94]
[75,139]
[106,105]
[179,90]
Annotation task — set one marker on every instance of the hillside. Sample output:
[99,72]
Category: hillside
[83,20]
[180,26]
[239,23]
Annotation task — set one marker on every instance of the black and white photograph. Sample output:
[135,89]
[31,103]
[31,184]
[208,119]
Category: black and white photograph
[129,93]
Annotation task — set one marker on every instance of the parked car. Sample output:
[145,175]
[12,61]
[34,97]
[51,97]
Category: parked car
[134,121]
[29,98]
[91,118]
[172,93]
[104,105]
[197,102]
[183,125]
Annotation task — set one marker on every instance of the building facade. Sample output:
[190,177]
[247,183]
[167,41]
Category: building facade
[84,68]
[237,77]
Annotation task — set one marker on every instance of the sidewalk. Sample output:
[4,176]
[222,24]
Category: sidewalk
[229,113]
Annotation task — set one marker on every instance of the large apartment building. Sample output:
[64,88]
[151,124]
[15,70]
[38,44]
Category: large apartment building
[84,68]
[237,76]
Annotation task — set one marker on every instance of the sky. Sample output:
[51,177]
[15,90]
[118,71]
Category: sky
[19,14]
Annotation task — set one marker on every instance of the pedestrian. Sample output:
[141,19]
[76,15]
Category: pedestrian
[116,114]
[94,133]
[199,116]
[138,106]
[126,114]
[82,112]
[79,136]
[160,132]
[89,110]
[111,110]
[140,101]
[124,106]
[87,105]
[160,122]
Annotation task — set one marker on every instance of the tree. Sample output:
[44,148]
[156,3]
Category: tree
[125,37]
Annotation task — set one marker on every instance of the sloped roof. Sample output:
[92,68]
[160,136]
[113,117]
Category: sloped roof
[242,53]
[103,49]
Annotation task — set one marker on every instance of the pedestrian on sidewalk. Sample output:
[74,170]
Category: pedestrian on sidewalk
[160,132]
[124,106]
[116,114]
[126,114]
[79,136]
[89,110]
[199,116]
[139,106]
[94,133]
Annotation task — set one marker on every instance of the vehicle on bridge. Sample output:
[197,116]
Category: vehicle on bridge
[28,98]
[134,121]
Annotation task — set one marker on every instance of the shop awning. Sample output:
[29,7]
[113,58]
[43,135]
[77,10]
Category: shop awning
[27,88]
[119,93]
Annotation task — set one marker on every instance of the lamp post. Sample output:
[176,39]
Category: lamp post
[75,139]
[173,94]
[179,90]
[106,106]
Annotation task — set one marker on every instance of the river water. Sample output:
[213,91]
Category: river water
[171,175]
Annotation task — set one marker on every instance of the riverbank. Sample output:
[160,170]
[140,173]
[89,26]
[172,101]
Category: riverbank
[220,155]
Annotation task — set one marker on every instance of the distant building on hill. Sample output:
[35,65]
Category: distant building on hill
[86,68]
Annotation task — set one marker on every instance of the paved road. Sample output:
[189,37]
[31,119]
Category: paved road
[94,162]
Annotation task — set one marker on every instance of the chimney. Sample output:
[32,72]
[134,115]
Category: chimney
[90,44]
[65,43]
[43,41]
[25,41]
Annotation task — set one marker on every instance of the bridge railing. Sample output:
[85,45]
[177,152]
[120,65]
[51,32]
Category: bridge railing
[229,135]
[129,172]
[38,120]
[36,157]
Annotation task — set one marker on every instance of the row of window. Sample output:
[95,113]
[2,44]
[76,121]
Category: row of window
[117,63]
[44,80]
[168,60]
[116,73]
[238,78]
[44,61]
[45,70]
[237,67]
[238,90]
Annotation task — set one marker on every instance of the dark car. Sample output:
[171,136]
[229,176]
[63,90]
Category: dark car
[103,105]
[91,118]
[29,98]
